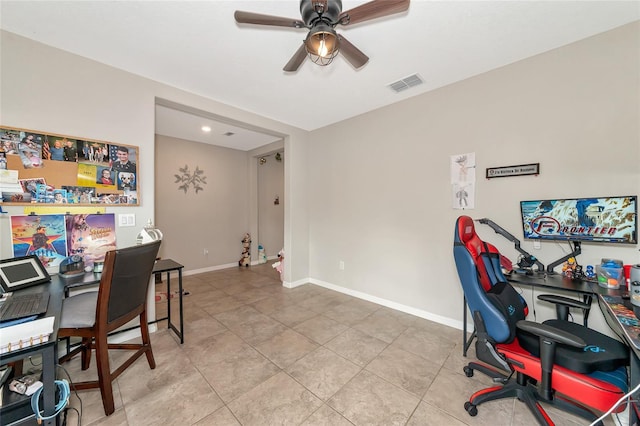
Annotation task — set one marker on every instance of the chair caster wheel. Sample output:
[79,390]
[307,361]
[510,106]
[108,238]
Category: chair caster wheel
[471,409]
[468,371]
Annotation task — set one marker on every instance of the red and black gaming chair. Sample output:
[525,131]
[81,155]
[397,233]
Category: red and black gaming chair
[561,363]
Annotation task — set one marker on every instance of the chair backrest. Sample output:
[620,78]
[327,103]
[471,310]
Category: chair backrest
[484,284]
[124,284]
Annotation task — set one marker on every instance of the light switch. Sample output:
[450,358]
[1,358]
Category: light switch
[128,219]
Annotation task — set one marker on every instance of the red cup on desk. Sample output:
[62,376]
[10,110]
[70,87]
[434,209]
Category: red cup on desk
[627,275]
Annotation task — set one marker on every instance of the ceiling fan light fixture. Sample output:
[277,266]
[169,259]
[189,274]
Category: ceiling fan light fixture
[322,44]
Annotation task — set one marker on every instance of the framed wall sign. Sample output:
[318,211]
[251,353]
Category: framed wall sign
[508,171]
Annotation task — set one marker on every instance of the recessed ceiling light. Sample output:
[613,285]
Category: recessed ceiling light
[206,129]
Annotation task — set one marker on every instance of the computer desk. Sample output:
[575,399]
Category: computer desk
[18,407]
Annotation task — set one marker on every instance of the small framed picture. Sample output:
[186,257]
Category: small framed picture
[21,272]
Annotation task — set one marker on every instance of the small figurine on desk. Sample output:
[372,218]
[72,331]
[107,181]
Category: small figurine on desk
[569,267]
[578,274]
[590,273]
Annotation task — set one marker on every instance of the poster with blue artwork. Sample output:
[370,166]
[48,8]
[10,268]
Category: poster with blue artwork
[43,235]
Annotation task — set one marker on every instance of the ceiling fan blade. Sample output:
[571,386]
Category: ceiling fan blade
[352,53]
[260,19]
[373,9]
[296,60]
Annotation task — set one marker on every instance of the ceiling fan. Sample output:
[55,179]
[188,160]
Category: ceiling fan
[321,17]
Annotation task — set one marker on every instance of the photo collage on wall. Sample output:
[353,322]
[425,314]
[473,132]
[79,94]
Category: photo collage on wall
[54,237]
[106,173]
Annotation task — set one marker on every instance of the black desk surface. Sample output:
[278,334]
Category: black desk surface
[164,265]
[56,288]
[56,293]
[555,281]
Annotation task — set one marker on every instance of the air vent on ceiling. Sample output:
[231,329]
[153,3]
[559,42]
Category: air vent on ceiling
[229,134]
[406,83]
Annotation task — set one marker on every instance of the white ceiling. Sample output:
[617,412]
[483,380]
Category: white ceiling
[197,46]
[188,126]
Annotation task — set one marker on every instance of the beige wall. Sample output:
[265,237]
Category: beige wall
[47,89]
[214,219]
[381,183]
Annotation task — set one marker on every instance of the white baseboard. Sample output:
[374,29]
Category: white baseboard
[389,304]
[360,295]
[209,269]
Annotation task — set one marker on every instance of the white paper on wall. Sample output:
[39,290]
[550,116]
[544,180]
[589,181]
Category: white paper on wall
[463,195]
[463,180]
[463,168]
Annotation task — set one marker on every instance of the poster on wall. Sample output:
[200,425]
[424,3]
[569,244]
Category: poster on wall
[463,180]
[44,235]
[91,236]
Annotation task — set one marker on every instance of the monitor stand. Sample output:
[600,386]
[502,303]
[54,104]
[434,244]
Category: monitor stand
[576,251]
[529,259]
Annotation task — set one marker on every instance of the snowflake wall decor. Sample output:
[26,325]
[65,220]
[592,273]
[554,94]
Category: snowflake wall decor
[186,179]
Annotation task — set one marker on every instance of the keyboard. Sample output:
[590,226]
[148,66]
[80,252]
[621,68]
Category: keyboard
[24,305]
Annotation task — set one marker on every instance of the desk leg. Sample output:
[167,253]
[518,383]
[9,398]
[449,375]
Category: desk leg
[168,299]
[587,298]
[180,307]
[170,325]
[48,382]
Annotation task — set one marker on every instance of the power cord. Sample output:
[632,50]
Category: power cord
[75,391]
[63,391]
[33,363]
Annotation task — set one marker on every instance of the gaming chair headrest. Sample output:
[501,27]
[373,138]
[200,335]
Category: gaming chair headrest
[466,230]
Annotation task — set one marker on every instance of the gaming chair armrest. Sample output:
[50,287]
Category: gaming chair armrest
[564,303]
[551,333]
[549,338]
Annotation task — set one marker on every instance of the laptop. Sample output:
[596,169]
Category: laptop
[19,273]
[18,306]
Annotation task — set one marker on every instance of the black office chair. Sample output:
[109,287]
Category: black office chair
[559,362]
[121,297]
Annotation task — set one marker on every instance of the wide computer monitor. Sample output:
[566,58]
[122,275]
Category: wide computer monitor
[612,220]
[596,219]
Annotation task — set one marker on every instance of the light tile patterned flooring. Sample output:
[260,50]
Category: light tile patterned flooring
[257,353]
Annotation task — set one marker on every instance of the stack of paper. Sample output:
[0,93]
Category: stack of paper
[26,334]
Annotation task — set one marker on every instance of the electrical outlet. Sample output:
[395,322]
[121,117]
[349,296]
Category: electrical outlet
[341,265]
[536,245]
[205,252]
